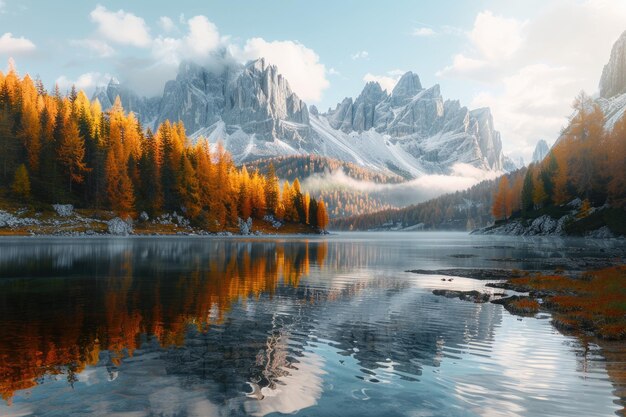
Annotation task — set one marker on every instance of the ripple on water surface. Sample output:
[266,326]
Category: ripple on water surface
[255,327]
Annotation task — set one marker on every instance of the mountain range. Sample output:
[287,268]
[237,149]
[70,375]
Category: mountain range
[412,131]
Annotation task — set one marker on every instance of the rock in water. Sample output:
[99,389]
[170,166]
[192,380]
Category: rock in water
[119,227]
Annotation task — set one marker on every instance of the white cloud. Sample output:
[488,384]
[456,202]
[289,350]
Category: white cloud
[530,71]
[299,64]
[529,107]
[387,82]
[201,39]
[333,71]
[423,32]
[464,66]
[166,24]
[461,177]
[199,42]
[12,45]
[121,27]
[360,55]
[87,82]
[496,37]
[203,36]
[99,47]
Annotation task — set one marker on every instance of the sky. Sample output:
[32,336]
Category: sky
[526,60]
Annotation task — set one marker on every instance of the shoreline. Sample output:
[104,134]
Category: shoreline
[589,303]
[66,222]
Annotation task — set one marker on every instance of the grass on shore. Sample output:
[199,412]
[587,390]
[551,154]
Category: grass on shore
[595,302]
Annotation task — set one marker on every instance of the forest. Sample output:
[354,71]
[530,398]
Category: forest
[462,210]
[588,163]
[65,148]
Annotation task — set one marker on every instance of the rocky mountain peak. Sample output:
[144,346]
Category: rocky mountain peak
[541,150]
[372,93]
[408,86]
[613,80]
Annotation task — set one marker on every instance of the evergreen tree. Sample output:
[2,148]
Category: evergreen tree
[21,183]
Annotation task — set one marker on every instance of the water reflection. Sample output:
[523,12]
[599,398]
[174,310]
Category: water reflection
[115,293]
[178,327]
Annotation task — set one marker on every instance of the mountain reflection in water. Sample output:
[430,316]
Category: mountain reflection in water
[178,327]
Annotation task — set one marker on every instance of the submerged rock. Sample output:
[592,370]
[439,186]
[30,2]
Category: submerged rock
[472,296]
[475,273]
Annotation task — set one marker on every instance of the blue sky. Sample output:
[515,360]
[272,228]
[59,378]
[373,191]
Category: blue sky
[526,60]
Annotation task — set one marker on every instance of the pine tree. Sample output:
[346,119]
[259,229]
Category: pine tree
[189,189]
[21,182]
[539,193]
[322,215]
[501,203]
[527,192]
[119,187]
[313,213]
[272,190]
[72,153]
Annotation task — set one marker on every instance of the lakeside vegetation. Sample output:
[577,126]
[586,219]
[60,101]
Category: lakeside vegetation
[65,149]
[593,303]
[587,163]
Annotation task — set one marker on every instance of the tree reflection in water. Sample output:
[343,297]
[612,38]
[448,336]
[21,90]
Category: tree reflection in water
[67,308]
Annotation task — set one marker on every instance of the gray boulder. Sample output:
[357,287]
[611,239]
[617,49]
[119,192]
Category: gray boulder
[63,210]
[119,227]
[245,226]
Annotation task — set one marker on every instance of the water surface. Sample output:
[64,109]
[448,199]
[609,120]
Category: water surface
[326,326]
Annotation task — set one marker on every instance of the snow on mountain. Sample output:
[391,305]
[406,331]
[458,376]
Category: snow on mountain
[432,134]
[250,108]
[541,151]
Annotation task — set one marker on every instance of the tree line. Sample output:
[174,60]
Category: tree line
[587,162]
[461,210]
[65,148]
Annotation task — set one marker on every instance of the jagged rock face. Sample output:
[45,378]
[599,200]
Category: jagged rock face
[254,112]
[435,132]
[260,100]
[512,164]
[360,115]
[407,87]
[196,96]
[613,81]
[541,150]
[145,109]
[612,98]
[489,142]
[253,98]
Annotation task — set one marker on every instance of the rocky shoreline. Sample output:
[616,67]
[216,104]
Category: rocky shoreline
[66,221]
[568,222]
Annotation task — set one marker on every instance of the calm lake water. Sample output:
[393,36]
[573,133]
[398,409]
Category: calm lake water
[321,326]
